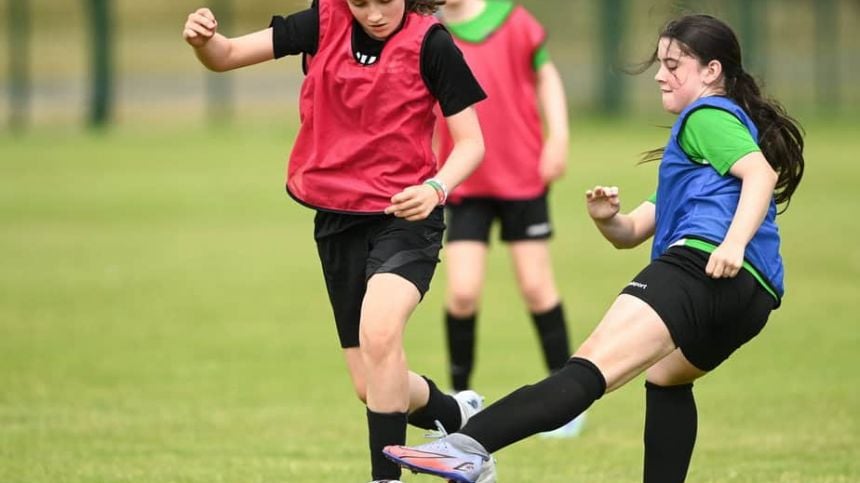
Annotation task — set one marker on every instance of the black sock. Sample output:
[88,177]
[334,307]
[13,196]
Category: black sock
[461,349]
[385,429]
[552,330]
[540,407]
[440,407]
[670,432]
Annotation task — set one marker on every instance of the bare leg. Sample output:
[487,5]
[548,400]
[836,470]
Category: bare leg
[673,370]
[418,390]
[466,265]
[388,303]
[378,367]
[630,338]
[533,267]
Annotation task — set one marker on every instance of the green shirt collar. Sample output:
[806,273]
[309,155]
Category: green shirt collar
[488,21]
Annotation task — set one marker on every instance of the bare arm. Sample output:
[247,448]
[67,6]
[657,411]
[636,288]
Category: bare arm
[553,103]
[468,147]
[416,202]
[758,181]
[219,53]
[622,230]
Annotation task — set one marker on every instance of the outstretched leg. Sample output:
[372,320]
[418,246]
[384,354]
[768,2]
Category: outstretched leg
[533,266]
[630,338]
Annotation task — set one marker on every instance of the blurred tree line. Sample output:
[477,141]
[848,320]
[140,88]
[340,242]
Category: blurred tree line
[104,60]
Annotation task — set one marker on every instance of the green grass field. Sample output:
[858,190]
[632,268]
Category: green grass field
[163,319]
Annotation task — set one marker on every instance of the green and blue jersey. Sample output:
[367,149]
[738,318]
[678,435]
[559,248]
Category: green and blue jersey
[694,176]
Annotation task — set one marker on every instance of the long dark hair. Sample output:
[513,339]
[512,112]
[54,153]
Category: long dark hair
[426,7]
[780,136]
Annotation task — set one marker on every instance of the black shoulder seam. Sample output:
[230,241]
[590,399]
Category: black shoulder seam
[421,53]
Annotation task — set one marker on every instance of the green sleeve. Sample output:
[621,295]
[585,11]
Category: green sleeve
[716,137]
[540,58]
[652,199]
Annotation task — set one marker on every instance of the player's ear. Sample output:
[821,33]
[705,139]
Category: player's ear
[713,71]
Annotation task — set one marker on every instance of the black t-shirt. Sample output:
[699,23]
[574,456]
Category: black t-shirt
[443,67]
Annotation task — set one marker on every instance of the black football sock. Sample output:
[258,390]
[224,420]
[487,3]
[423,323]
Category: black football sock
[440,407]
[385,429]
[552,331]
[671,423]
[461,349]
[540,407]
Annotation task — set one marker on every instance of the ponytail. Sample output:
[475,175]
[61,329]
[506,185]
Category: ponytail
[780,135]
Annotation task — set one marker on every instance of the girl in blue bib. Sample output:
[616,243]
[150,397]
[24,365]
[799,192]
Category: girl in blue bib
[733,157]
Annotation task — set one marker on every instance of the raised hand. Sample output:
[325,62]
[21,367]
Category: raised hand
[200,27]
[602,202]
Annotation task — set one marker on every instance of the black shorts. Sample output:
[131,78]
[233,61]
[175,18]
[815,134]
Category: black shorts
[708,318]
[471,219]
[352,248]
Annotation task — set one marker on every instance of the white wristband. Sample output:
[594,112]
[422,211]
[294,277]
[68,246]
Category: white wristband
[440,187]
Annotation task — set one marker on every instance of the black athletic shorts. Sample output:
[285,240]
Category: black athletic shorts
[471,219]
[708,318]
[352,248]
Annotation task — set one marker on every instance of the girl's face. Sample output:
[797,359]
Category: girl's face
[682,78]
[379,18]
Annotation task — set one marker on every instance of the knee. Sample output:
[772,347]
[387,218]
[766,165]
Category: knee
[361,392]
[379,344]
[462,302]
[661,377]
[537,295]
[673,370]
